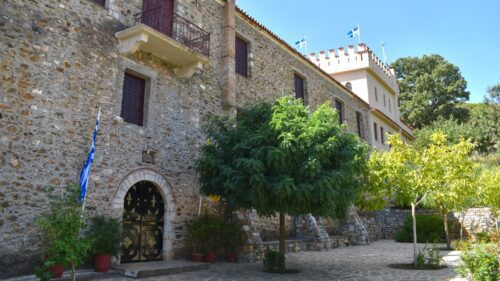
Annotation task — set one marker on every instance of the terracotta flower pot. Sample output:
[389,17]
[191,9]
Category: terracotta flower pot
[231,257]
[210,256]
[196,257]
[102,263]
[57,270]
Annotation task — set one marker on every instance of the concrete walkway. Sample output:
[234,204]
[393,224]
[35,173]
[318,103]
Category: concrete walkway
[360,263]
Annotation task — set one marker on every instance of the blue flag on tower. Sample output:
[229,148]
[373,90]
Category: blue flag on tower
[301,43]
[354,32]
[85,173]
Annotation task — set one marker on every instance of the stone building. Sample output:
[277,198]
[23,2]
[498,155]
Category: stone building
[155,68]
[360,70]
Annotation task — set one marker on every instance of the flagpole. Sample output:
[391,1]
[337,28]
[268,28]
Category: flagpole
[359,35]
[87,189]
[307,53]
[383,52]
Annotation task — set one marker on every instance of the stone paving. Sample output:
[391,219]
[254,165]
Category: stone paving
[357,263]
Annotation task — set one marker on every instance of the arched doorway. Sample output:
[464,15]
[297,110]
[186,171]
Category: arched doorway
[143,223]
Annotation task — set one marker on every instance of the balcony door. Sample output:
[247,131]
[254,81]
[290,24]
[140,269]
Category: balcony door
[159,14]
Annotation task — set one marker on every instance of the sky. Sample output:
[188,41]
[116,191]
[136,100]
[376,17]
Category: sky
[466,33]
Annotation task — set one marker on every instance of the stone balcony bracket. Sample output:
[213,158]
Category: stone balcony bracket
[185,60]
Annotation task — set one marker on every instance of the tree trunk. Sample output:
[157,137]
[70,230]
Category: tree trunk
[447,232]
[73,272]
[414,219]
[282,241]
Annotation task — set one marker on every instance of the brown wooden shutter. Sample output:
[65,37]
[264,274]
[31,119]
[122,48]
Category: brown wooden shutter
[340,110]
[359,122]
[133,99]
[299,87]
[159,14]
[101,2]
[241,57]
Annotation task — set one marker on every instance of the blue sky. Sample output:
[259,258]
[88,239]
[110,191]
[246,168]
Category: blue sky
[466,33]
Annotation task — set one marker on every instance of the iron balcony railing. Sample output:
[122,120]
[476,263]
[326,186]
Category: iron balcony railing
[176,27]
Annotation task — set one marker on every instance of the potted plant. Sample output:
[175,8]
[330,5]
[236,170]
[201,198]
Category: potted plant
[105,234]
[61,226]
[194,238]
[205,236]
[233,239]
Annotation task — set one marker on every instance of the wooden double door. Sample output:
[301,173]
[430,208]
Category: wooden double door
[159,14]
[143,219]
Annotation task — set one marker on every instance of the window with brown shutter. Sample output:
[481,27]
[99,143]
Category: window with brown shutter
[133,99]
[299,87]
[340,110]
[101,2]
[375,130]
[359,122]
[382,135]
[241,57]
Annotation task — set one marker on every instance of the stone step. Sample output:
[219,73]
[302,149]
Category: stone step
[158,268]
[81,275]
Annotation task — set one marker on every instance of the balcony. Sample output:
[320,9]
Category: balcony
[168,36]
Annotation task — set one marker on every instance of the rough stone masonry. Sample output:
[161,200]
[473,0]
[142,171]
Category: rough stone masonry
[60,63]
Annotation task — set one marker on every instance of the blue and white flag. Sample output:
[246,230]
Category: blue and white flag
[354,32]
[85,173]
[301,43]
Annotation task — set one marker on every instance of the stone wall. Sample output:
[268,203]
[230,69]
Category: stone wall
[60,63]
[387,223]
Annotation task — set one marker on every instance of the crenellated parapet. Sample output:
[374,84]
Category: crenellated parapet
[355,58]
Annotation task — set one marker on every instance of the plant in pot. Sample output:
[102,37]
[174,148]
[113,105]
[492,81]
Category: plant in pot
[194,238]
[232,239]
[105,234]
[61,225]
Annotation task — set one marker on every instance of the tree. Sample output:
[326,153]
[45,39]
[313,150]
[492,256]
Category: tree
[282,158]
[452,128]
[62,225]
[414,176]
[493,95]
[429,87]
[484,123]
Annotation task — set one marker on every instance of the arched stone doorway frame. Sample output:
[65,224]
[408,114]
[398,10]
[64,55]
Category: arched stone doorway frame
[165,189]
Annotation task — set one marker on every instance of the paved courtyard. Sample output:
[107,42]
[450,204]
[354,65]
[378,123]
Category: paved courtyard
[360,263]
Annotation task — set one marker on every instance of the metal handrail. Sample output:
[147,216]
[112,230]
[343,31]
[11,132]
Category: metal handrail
[179,28]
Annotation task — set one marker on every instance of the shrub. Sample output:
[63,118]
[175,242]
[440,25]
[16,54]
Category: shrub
[204,234]
[274,262]
[233,236]
[480,263]
[430,228]
[106,235]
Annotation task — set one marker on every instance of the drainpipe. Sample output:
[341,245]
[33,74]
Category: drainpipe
[228,75]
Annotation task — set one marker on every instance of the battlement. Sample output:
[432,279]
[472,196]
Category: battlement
[352,58]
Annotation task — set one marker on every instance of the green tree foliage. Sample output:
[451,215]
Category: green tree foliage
[452,128]
[484,122]
[282,158]
[429,87]
[414,176]
[61,226]
[493,95]
[430,229]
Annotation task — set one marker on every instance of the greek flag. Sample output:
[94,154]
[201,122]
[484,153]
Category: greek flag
[301,43]
[354,32]
[84,174]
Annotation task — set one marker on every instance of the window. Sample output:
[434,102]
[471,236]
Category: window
[133,99]
[359,122]
[390,110]
[348,85]
[101,2]
[375,130]
[299,87]
[340,110]
[382,135]
[241,57]
[376,94]
[384,101]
